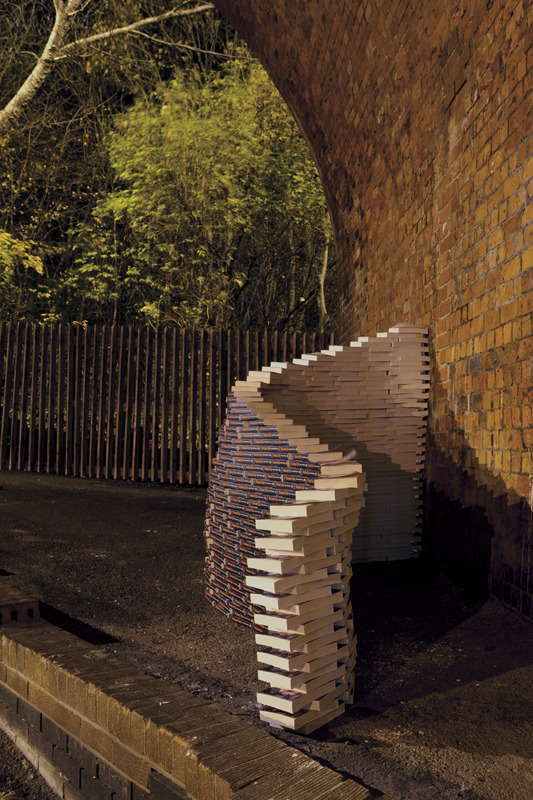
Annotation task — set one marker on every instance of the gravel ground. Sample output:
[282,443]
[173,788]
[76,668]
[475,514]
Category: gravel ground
[18,779]
[443,706]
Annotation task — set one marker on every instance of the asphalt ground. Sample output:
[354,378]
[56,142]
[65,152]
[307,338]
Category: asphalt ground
[444,700]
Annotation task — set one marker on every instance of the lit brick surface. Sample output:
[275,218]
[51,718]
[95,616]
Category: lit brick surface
[419,117]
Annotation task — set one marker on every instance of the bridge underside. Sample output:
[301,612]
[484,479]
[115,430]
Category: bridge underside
[419,121]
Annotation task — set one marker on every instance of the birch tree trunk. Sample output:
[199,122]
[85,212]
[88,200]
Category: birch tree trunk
[56,48]
[323,312]
[44,66]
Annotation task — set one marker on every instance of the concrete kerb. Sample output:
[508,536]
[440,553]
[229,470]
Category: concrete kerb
[96,727]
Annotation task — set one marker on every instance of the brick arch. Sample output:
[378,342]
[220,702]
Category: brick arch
[417,115]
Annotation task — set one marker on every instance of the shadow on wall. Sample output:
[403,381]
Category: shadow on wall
[474,525]
[388,528]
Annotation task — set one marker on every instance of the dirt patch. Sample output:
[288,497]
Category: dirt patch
[443,704]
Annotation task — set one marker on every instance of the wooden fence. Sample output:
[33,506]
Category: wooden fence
[125,402]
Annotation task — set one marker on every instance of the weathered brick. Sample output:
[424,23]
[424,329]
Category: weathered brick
[8,697]
[92,788]
[165,789]
[28,712]
[130,764]
[117,784]
[40,743]
[53,733]
[67,766]
[97,739]
[78,751]
[17,682]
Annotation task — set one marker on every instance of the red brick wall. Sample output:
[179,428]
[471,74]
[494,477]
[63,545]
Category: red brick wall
[419,118]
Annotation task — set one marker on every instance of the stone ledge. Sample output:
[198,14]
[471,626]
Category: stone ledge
[144,730]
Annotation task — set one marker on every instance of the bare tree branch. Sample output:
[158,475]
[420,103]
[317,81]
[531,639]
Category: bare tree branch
[182,46]
[298,308]
[14,109]
[132,28]
[56,49]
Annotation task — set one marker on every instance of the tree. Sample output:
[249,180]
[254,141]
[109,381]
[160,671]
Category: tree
[216,217]
[58,47]
[20,271]
[53,159]
[65,190]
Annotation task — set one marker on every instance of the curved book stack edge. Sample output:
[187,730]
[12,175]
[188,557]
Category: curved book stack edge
[319,464]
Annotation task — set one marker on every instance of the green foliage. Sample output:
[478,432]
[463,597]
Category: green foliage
[20,273]
[54,165]
[196,204]
[217,215]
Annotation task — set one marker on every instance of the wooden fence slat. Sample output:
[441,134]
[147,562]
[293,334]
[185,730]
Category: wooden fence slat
[118,419]
[274,338]
[240,363]
[146,406]
[295,342]
[60,406]
[24,400]
[137,406]
[256,362]
[15,395]
[84,384]
[174,378]
[212,403]
[193,399]
[247,352]
[284,349]
[102,393]
[202,380]
[19,405]
[230,359]
[3,343]
[222,376]
[163,447]
[93,400]
[184,379]
[47,398]
[111,402]
[5,330]
[70,361]
[47,389]
[34,385]
[77,399]
[267,348]
[128,403]
[6,397]
[155,406]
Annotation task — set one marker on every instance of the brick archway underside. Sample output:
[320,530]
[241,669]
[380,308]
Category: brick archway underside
[419,119]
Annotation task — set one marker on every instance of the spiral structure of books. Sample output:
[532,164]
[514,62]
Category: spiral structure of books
[319,465]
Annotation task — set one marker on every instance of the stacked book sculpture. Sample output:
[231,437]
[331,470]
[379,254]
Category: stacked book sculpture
[318,465]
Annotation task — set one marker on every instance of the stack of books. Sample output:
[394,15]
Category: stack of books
[302,584]
[253,468]
[371,395]
[319,464]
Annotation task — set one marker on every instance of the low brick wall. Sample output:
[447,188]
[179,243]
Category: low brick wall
[97,727]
